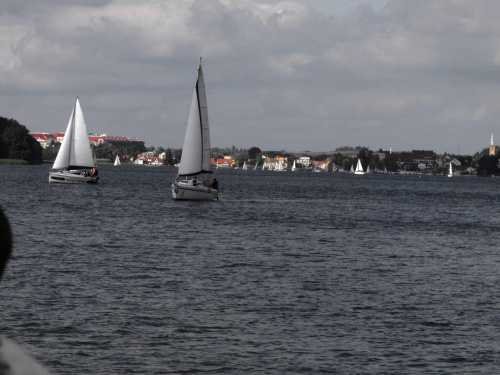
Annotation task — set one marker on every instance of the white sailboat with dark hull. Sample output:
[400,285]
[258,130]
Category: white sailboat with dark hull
[195,159]
[74,163]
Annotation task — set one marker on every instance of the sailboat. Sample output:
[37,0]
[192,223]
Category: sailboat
[359,168]
[368,169]
[352,169]
[74,160]
[195,159]
[244,166]
[279,167]
[294,167]
[117,162]
[450,173]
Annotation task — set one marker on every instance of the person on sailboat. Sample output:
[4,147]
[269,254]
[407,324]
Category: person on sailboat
[215,184]
[94,172]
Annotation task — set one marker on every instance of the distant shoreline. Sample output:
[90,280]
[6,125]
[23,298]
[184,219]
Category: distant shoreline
[15,162]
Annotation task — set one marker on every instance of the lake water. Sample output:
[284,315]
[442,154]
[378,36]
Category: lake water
[288,273]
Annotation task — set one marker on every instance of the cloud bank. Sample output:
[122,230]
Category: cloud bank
[418,74]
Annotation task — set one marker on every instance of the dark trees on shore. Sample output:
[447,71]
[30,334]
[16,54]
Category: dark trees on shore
[17,143]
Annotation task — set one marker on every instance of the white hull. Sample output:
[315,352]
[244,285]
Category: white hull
[185,190]
[358,172]
[67,177]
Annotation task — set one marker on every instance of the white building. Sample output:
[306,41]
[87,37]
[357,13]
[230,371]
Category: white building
[304,160]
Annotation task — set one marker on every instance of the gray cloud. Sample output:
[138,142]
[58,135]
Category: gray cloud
[417,74]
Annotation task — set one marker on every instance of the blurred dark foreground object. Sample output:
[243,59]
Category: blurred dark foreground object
[12,359]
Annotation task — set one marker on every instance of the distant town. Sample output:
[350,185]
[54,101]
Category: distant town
[342,159]
[19,146]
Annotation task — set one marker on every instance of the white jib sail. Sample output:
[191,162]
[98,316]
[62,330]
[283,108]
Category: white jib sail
[62,158]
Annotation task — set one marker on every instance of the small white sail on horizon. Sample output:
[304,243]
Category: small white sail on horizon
[450,172]
[117,162]
[294,167]
[280,167]
[359,168]
[244,166]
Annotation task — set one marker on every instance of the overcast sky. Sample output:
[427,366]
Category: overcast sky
[280,75]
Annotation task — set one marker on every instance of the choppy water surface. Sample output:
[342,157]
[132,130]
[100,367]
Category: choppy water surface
[287,273]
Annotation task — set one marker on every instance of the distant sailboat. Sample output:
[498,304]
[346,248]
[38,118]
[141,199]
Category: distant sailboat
[117,161]
[352,169]
[195,158]
[244,166]
[368,169]
[294,167]
[279,167]
[74,160]
[450,173]
[359,168]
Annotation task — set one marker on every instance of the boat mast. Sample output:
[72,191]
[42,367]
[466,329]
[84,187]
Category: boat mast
[71,134]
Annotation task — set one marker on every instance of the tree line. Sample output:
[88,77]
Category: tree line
[17,144]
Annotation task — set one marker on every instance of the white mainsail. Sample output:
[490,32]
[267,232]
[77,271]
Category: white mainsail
[117,161]
[195,157]
[75,151]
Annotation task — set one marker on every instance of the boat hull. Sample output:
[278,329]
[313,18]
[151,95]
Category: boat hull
[67,177]
[182,190]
